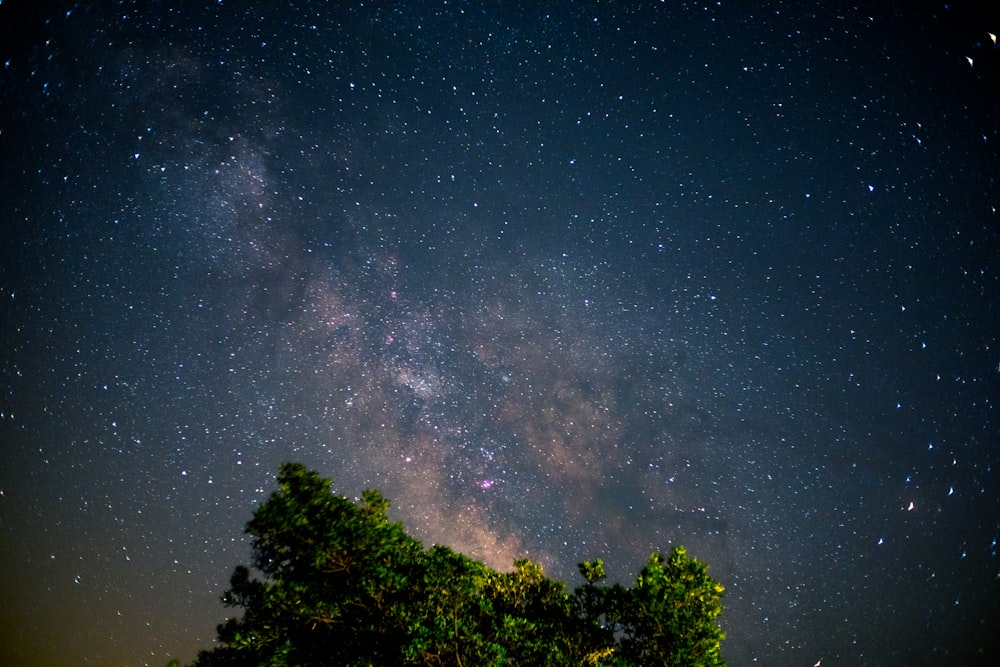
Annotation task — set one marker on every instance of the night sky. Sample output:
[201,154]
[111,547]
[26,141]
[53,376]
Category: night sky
[565,280]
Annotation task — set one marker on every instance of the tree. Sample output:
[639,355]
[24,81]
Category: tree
[669,616]
[343,585]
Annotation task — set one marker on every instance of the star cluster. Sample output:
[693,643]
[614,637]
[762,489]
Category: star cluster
[564,280]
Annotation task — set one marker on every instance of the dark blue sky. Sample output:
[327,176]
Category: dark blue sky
[567,280]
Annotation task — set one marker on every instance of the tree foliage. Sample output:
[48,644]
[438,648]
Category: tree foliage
[343,585]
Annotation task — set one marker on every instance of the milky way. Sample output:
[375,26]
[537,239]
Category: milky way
[582,281]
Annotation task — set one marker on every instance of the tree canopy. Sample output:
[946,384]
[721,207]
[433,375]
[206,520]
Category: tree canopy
[343,585]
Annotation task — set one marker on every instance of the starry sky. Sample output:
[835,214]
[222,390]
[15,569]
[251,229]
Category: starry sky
[565,280]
